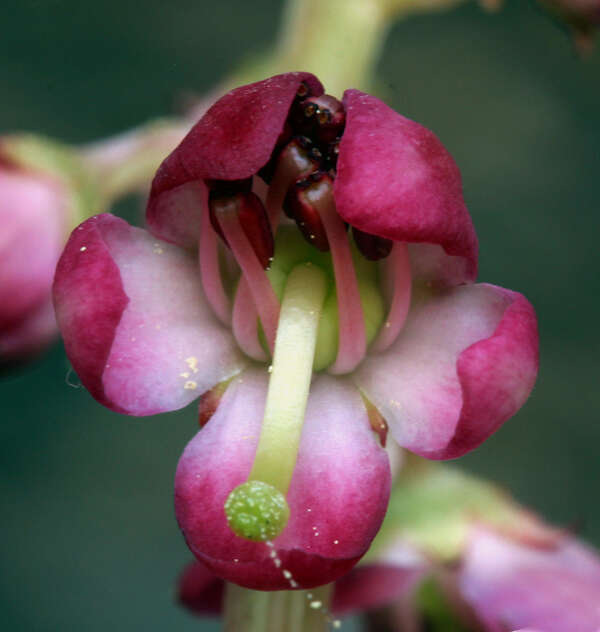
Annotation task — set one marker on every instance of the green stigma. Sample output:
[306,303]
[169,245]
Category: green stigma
[256,511]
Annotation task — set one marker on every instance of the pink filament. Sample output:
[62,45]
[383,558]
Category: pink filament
[245,323]
[399,266]
[265,299]
[210,273]
[352,343]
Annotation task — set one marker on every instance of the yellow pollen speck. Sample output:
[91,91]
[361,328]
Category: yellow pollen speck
[192,362]
[270,369]
[184,374]
[315,605]
[190,385]
[158,251]
[83,248]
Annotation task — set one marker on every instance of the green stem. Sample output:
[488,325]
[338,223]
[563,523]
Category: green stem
[276,611]
[126,163]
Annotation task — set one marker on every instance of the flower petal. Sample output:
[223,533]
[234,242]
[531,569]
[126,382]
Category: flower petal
[200,591]
[374,586]
[395,179]
[135,322]
[232,141]
[337,497]
[464,363]
[511,585]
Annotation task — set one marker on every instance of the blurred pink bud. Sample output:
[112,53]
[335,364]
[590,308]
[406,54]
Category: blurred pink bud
[34,220]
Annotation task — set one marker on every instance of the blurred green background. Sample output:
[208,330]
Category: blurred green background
[88,537]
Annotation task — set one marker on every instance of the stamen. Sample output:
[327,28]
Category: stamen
[399,268]
[256,509]
[372,247]
[245,323]
[298,158]
[264,297]
[210,273]
[352,336]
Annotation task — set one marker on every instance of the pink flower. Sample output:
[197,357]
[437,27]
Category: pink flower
[501,584]
[417,347]
[512,584]
[34,216]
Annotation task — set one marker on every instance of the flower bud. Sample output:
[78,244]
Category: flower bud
[42,196]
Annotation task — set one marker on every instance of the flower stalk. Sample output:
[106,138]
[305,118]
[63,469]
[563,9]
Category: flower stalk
[277,611]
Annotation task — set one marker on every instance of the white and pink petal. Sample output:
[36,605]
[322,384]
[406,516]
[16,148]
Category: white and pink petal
[337,497]
[135,322]
[465,361]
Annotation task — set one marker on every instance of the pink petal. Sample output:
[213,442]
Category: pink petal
[33,230]
[374,586]
[337,497]
[396,180]
[232,141]
[135,322]
[512,586]
[200,591]
[464,363]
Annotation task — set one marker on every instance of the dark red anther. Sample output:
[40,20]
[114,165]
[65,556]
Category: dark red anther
[301,203]
[370,246]
[252,217]
[299,157]
[321,118]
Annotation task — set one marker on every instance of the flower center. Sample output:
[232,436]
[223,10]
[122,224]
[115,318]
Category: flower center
[367,271]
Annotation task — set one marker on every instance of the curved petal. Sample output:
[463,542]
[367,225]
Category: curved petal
[232,141]
[511,586]
[464,363]
[135,322]
[395,179]
[337,497]
[33,221]
[200,591]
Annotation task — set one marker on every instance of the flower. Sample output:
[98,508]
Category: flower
[38,209]
[386,317]
[491,566]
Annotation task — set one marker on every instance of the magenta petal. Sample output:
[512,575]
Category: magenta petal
[464,363]
[200,591]
[395,179]
[135,322]
[232,141]
[176,215]
[510,585]
[337,497]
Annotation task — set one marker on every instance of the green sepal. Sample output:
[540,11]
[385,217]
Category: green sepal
[57,161]
[432,507]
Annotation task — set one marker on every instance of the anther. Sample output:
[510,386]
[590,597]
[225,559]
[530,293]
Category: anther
[372,247]
[252,217]
[321,118]
[299,206]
